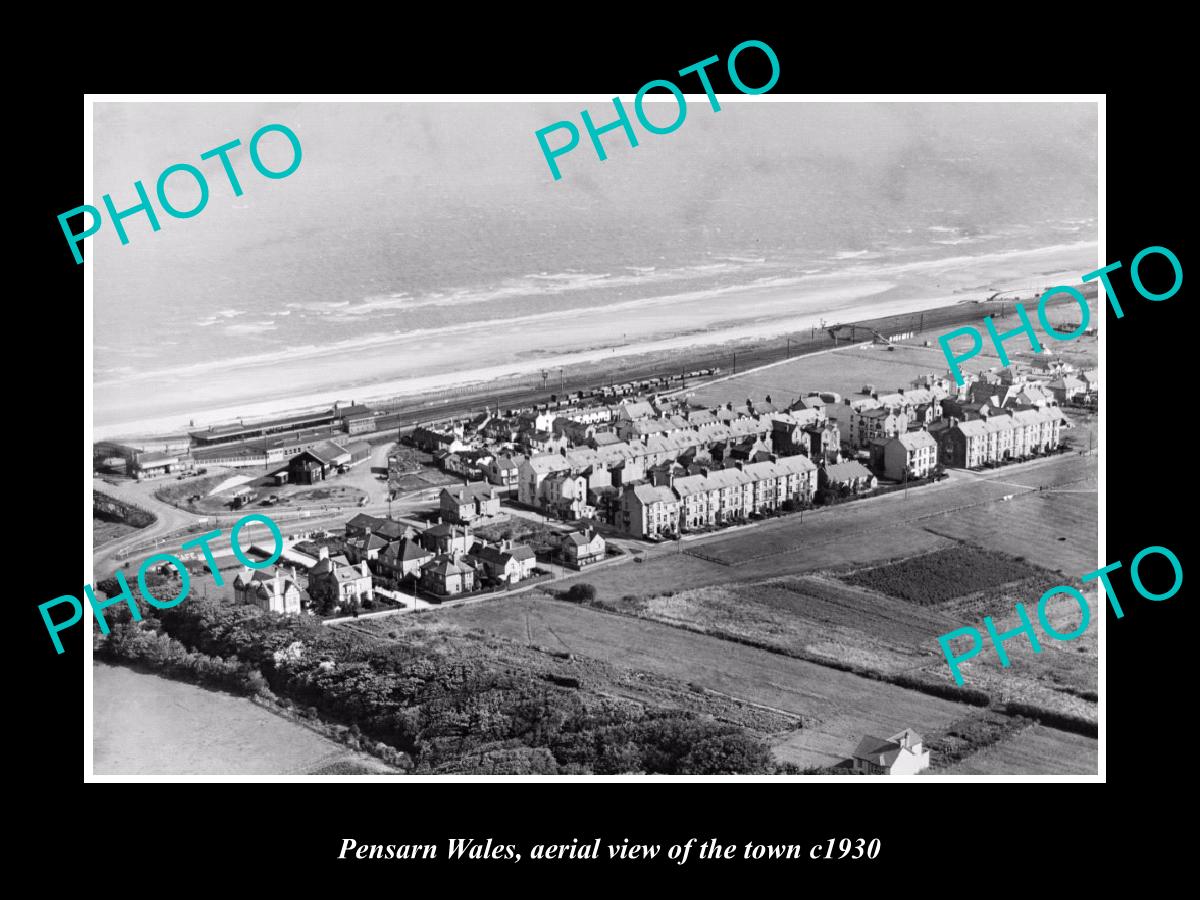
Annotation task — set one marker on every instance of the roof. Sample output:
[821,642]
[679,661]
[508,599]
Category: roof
[328,452]
[372,542]
[362,520]
[337,568]
[357,411]
[847,471]
[156,459]
[469,493]
[649,494]
[915,440]
[639,409]
[606,438]
[390,529]
[884,752]
[446,565]
[405,550]
[875,750]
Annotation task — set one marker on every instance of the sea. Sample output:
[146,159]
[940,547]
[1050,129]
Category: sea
[420,246]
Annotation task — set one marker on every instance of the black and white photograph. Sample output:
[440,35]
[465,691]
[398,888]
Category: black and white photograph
[434,438]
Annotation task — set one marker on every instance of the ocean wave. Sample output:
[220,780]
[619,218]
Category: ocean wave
[539,284]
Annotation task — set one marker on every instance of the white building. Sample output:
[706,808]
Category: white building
[901,754]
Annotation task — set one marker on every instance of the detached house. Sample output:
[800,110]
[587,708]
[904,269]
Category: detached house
[901,754]
[401,559]
[468,502]
[582,548]
[274,589]
[448,574]
[505,561]
[335,579]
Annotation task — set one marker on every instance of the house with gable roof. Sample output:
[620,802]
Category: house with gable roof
[275,589]
[465,503]
[335,580]
[901,754]
[582,548]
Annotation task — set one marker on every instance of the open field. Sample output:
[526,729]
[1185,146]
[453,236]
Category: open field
[1054,528]
[1034,751]
[146,725]
[835,706]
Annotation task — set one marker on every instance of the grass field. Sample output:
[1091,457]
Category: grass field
[1055,528]
[845,371]
[146,725]
[1035,751]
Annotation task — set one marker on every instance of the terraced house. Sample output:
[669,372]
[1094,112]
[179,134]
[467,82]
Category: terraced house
[912,454]
[999,438]
[681,503]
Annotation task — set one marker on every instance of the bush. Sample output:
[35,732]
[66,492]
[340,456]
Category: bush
[581,593]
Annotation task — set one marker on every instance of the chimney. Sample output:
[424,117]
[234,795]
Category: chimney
[323,553]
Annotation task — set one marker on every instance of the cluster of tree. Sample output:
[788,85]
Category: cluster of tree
[110,509]
[141,647]
[460,712]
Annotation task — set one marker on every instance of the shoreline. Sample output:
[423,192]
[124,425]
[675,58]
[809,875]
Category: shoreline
[390,368]
[733,355]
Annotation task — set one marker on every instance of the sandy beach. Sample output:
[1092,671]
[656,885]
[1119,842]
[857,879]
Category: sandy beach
[390,365]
